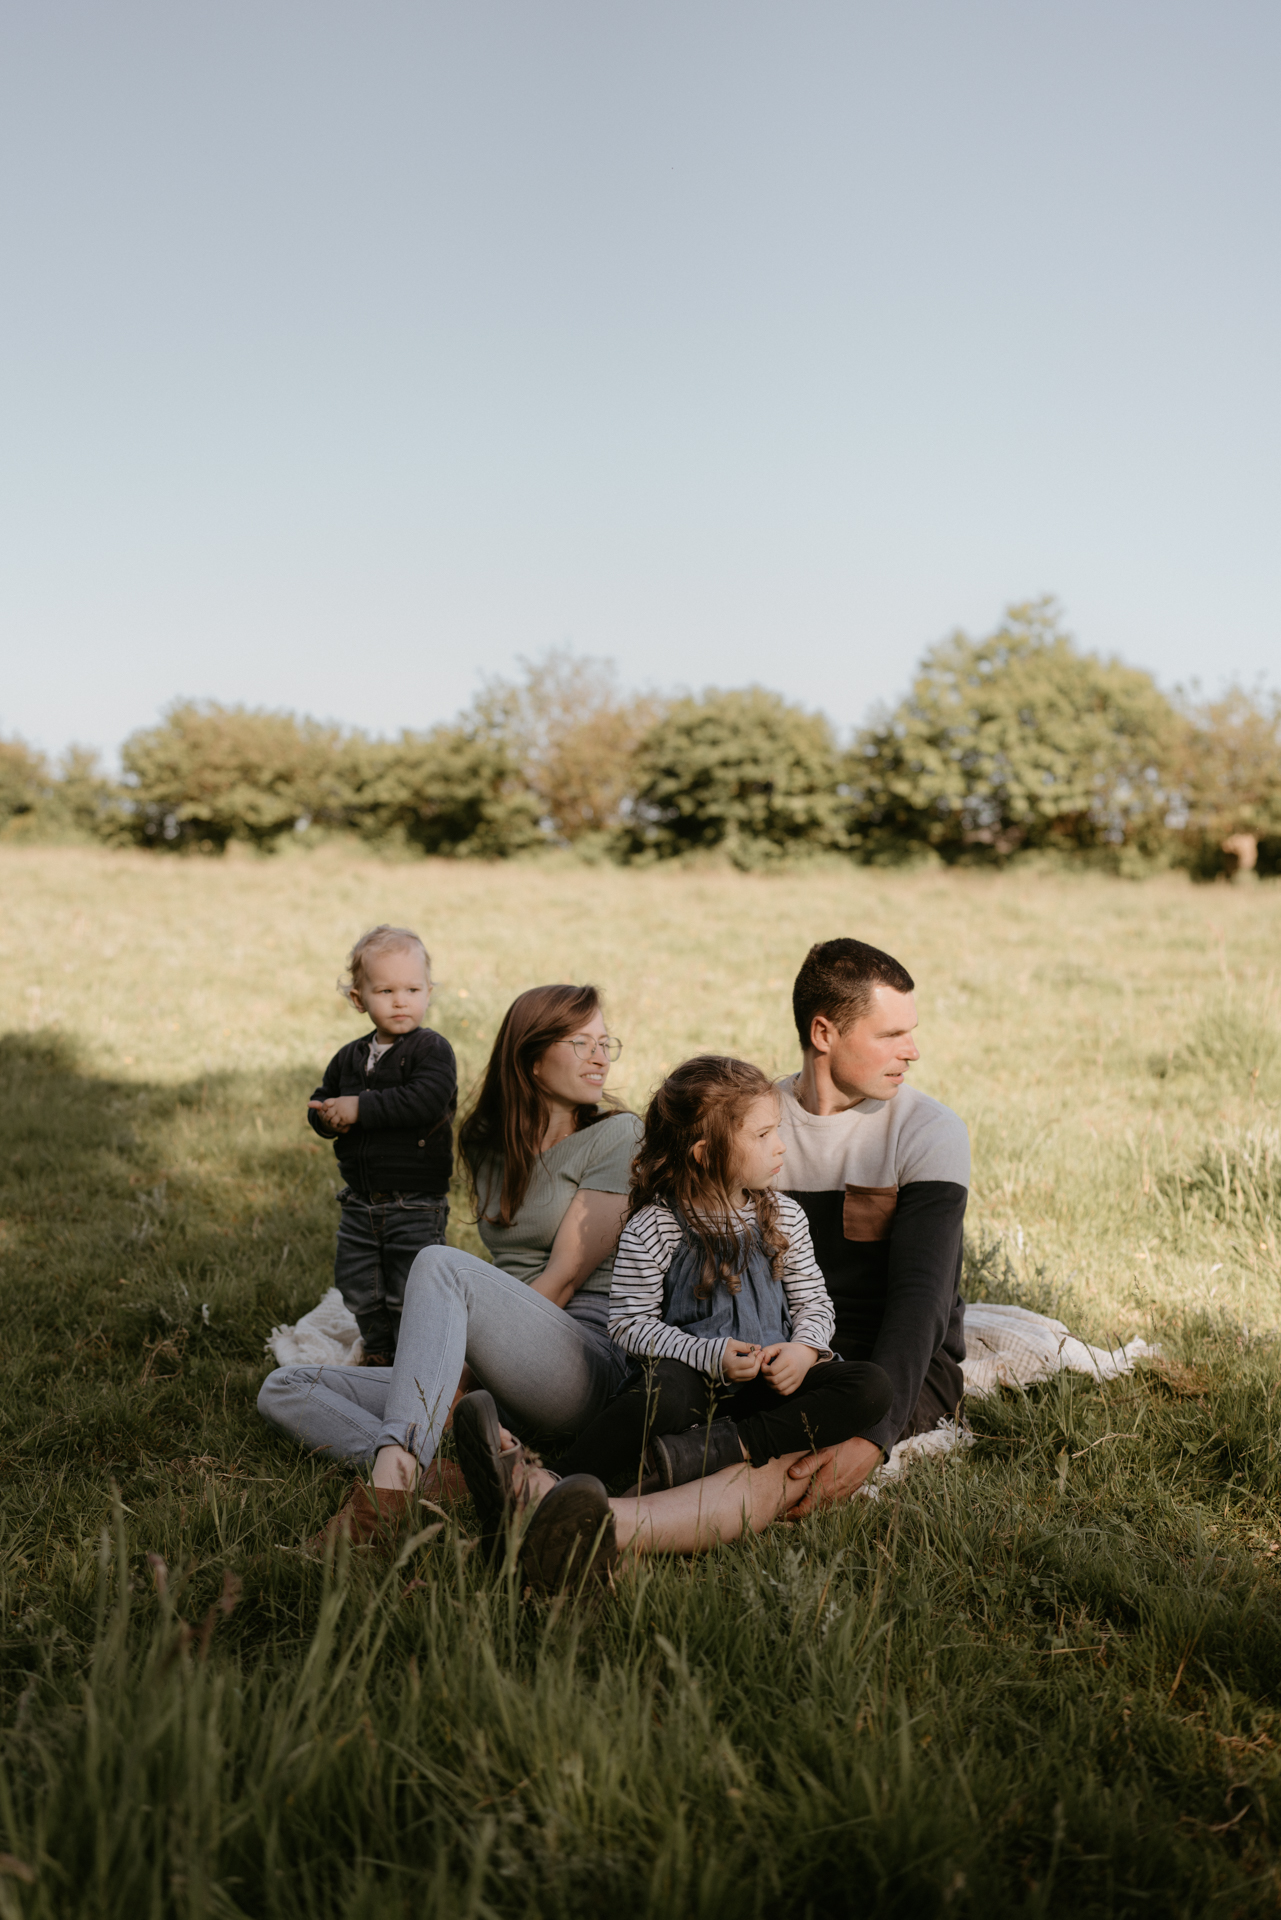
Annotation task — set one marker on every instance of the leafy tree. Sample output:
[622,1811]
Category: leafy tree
[456,790]
[574,737]
[25,784]
[209,774]
[1015,742]
[85,803]
[70,801]
[1230,782]
[743,771]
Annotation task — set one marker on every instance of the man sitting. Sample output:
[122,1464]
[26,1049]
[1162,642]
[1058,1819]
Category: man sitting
[882,1172]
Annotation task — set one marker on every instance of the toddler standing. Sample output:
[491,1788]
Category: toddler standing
[387,1101]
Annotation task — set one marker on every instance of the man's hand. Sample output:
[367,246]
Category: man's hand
[839,1472]
[742,1361]
[339,1114]
[786,1364]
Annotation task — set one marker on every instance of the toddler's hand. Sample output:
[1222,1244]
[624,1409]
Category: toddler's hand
[339,1114]
[742,1360]
[786,1364]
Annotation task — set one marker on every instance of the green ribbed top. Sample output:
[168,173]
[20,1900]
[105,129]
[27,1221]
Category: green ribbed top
[597,1160]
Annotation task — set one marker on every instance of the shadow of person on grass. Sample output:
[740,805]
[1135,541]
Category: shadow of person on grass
[150,1236]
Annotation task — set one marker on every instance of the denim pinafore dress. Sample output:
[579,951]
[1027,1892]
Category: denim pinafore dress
[757,1312]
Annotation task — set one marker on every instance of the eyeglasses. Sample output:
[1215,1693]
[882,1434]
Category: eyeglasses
[586,1048]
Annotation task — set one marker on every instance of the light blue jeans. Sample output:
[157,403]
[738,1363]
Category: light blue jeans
[552,1368]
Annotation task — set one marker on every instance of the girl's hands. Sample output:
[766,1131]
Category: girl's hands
[741,1360]
[786,1364]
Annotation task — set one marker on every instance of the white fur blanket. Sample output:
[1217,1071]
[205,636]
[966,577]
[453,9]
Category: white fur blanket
[326,1337]
[1004,1347]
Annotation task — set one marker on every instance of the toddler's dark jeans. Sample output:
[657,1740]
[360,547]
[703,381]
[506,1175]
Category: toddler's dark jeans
[379,1238]
[836,1400]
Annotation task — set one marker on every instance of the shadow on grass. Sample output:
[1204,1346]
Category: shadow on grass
[135,1213]
[151,1238]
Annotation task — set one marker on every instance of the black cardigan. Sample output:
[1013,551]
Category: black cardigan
[403,1141]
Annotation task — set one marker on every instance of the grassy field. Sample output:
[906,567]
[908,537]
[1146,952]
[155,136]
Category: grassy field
[1039,1679]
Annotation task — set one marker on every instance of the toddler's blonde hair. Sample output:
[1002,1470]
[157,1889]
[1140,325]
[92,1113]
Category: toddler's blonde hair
[382,939]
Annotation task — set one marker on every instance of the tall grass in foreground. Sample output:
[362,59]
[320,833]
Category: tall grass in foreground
[1038,1679]
[1041,1678]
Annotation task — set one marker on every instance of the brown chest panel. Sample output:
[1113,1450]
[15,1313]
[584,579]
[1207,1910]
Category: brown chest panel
[868,1212]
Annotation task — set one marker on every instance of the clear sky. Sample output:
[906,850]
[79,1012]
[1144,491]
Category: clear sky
[352,352]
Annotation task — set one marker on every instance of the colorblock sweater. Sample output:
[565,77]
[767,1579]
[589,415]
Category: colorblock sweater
[884,1187]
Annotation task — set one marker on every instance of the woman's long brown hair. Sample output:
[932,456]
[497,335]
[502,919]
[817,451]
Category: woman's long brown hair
[509,1115]
[706,1099]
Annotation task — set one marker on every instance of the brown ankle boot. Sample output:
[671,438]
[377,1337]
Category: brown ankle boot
[370,1516]
[442,1482]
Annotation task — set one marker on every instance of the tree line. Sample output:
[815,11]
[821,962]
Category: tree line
[1015,744]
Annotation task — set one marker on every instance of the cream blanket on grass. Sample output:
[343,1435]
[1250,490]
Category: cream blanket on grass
[1004,1347]
[1010,1347]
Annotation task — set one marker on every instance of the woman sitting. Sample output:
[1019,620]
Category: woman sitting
[550,1166]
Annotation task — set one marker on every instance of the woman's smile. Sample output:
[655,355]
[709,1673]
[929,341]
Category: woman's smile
[573,1071]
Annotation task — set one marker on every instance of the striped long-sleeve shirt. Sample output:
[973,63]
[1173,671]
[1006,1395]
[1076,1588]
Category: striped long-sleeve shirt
[646,1250]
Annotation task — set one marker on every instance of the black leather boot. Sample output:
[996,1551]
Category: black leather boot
[678,1458]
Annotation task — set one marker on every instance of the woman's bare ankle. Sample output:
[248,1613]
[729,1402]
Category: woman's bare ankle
[395,1470]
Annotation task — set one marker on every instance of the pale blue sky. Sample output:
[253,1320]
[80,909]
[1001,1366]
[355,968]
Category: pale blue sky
[353,351]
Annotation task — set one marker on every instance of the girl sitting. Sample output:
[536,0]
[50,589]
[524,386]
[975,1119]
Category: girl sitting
[717,1291]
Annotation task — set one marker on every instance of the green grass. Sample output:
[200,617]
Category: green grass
[1038,1678]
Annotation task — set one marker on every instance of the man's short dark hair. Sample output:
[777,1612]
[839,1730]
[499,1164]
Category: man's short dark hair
[837,979]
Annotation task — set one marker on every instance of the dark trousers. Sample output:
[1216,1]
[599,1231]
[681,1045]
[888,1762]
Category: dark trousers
[835,1400]
[379,1238]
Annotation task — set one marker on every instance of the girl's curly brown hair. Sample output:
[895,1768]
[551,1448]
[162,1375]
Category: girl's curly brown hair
[706,1099]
